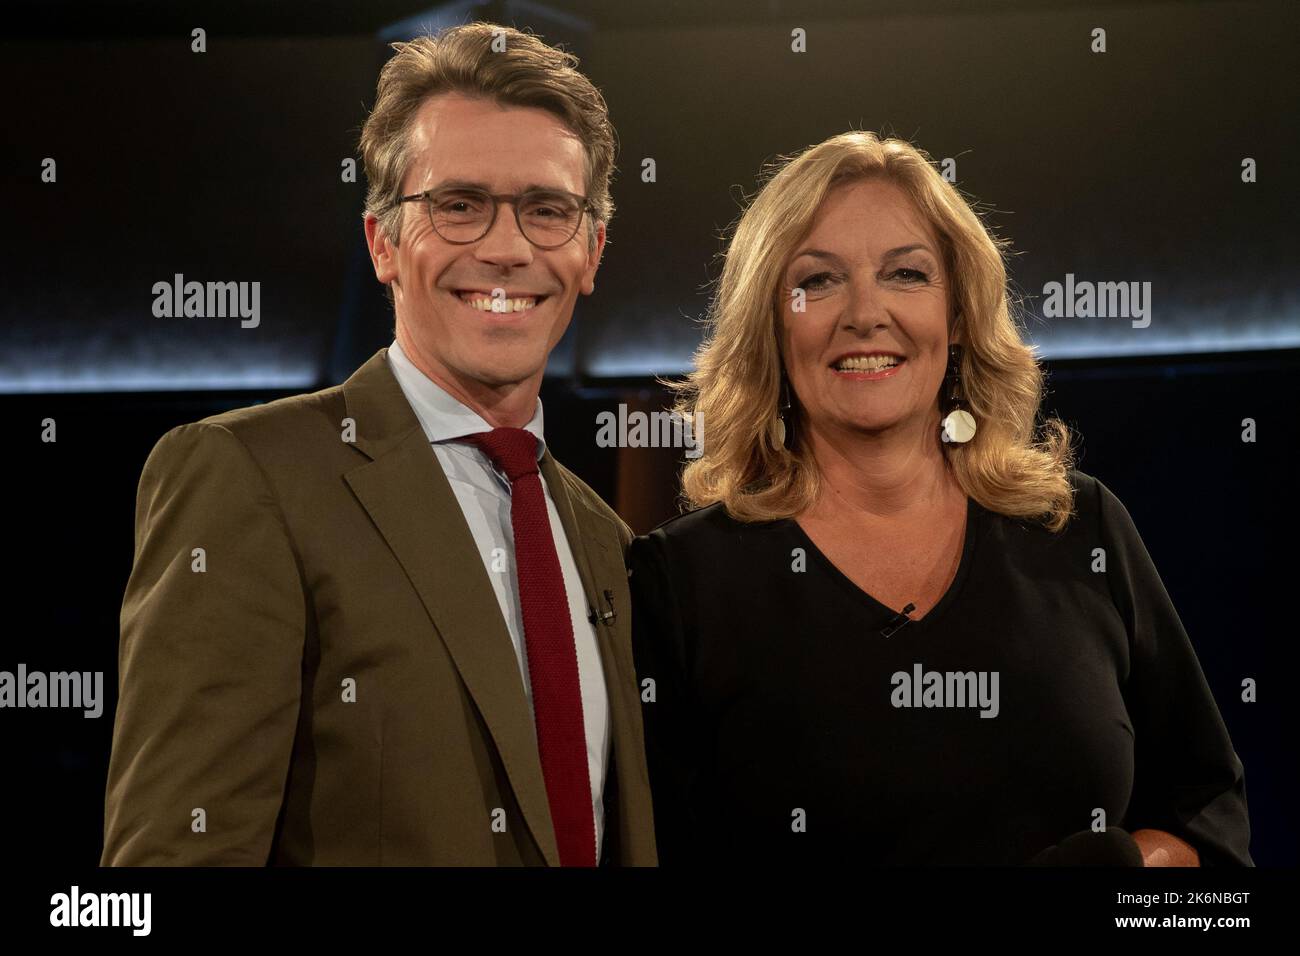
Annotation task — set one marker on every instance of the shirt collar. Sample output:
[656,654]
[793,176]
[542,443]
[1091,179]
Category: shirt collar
[443,416]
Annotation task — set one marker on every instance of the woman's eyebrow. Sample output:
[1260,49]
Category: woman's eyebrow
[904,250]
[890,254]
[816,254]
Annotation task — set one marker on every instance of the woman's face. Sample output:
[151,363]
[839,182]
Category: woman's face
[873,285]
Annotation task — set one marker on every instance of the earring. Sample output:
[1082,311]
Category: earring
[783,407]
[958,426]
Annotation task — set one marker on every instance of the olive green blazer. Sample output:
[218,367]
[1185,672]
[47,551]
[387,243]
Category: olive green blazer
[314,669]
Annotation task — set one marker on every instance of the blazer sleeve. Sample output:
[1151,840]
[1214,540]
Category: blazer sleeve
[1188,779]
[209,663]
[658,648]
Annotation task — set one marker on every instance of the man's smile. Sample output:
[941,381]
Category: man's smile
[508,302]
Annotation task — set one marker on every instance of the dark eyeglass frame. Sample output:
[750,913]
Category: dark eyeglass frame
[583,203]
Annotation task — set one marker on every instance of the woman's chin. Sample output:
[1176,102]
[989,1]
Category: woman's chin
[875,423]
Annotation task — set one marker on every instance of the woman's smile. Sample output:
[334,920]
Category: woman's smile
[867,367]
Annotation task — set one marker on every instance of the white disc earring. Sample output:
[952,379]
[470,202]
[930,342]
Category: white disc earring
[958,426]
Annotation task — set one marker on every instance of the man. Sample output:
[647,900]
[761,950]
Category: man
[380,624]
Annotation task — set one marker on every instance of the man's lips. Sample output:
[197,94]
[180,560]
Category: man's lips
[505,302]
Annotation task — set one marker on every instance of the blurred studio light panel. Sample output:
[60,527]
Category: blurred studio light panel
[1150,173]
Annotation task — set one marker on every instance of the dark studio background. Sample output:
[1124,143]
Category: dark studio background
[1123,166]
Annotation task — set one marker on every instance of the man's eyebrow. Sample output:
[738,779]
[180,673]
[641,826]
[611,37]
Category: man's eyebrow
[468,184]
[891,254]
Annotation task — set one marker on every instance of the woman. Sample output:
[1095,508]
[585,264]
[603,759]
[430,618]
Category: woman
[900,627]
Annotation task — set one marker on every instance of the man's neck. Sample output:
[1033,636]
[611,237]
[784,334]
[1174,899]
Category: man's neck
[502,406]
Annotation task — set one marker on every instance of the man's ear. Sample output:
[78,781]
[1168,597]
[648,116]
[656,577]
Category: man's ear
[383,254]
[593,260]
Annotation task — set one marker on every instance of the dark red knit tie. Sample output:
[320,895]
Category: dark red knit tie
[552,656]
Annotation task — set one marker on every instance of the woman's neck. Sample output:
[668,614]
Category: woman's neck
[885,475]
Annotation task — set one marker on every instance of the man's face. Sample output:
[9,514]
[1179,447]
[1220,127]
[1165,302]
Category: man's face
[473,352]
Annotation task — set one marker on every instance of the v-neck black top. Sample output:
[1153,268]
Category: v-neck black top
[786,727]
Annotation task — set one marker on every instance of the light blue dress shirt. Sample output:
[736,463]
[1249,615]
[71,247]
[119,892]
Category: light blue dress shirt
[484,497]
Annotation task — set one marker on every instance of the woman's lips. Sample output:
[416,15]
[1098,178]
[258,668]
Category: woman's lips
[864,375]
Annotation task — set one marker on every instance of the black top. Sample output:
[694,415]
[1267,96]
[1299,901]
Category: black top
[786,727]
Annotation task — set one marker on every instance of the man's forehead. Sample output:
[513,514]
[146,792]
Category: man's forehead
[502,148]
[473,178]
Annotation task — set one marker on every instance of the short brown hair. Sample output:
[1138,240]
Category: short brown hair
[460,59]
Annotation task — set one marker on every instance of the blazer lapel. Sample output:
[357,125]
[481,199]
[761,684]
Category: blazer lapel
[586,530]
[404,490]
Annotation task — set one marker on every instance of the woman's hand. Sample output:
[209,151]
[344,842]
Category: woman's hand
[1164,849]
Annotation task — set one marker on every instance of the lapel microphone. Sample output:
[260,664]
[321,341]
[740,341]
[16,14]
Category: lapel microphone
[611,615]
[604,617]
[896,623]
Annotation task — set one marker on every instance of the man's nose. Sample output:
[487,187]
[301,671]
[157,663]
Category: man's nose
[504,244]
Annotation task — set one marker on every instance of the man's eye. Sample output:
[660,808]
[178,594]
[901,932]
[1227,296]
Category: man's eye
[545,207]
[459,203]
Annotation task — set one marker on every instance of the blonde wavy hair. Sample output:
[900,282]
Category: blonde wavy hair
[737,374]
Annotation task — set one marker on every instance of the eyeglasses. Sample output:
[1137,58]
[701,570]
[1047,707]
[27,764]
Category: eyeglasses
[548,218]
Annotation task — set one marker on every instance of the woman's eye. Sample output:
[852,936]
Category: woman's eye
[814,281]
[819,280]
